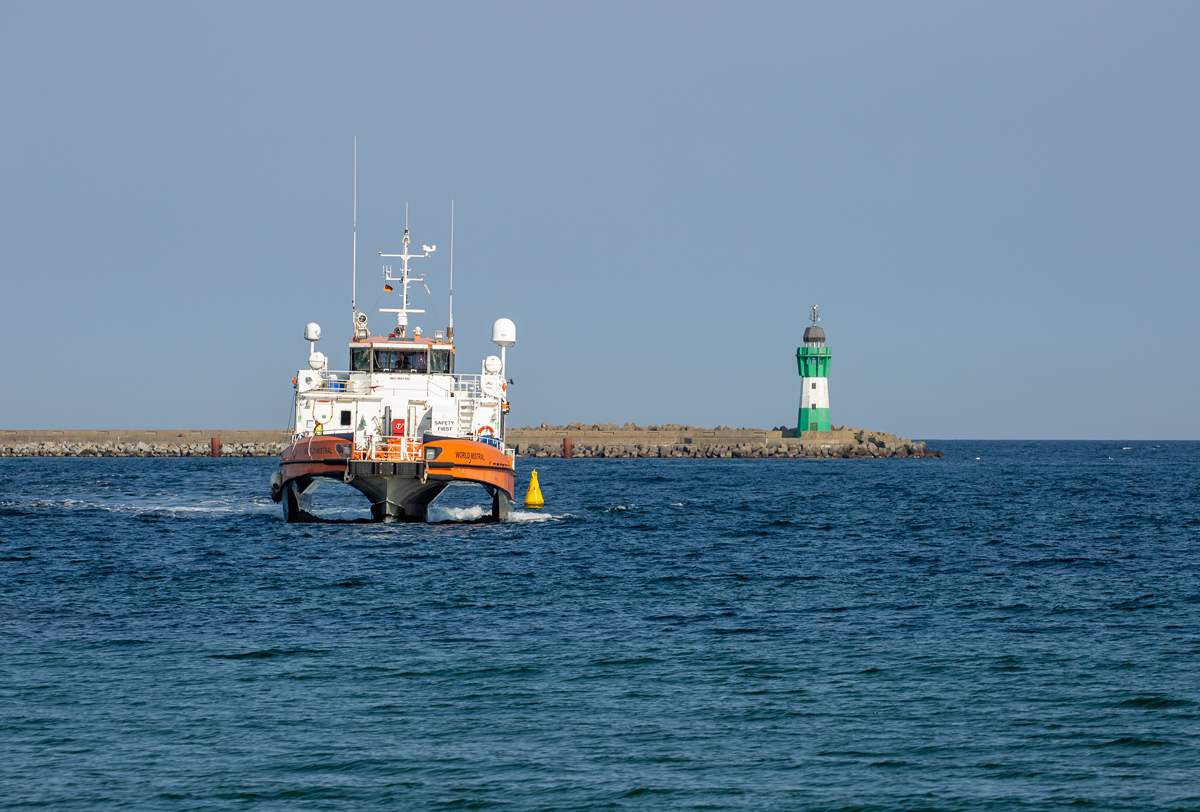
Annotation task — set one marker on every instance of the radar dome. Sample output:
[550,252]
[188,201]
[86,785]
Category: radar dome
[491,364]
[504,333]
[312,332]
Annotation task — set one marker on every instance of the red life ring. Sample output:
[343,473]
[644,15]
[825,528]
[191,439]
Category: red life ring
[488,429]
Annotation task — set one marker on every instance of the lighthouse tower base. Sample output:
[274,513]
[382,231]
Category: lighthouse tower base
[812,419]
[814,397]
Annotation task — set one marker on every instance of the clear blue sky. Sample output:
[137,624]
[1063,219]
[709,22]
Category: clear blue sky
[995,205]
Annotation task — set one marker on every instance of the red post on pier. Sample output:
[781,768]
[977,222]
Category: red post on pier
[216,447]
[568,448]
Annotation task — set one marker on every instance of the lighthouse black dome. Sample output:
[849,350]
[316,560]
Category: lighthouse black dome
[814,335]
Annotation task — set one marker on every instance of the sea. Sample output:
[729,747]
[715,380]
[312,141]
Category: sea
[1013,627]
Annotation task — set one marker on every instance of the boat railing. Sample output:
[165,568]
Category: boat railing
[336,383]
[390,449]
[329,383]
[468,386]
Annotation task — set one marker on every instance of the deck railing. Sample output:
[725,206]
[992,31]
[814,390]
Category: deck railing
[468,386]
[391,449]
[334,385]
[330,382]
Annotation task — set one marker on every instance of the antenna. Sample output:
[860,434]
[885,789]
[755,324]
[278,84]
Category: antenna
[450,329]
[815,316]
[404,279]
[354,258]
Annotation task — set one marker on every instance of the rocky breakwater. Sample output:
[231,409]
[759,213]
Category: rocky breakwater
[141,449]
[677,441]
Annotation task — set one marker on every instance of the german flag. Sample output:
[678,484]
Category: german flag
[387,288]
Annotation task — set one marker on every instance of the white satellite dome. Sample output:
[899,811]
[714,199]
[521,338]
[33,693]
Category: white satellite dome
[491,365]
[504,333]
[312,332]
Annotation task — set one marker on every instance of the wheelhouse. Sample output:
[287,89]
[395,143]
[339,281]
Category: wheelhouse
[406,358]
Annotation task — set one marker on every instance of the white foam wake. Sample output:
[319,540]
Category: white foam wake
[149,506]
[474,513]
[455,514]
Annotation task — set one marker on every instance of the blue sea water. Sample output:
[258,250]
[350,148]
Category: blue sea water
[1016,626]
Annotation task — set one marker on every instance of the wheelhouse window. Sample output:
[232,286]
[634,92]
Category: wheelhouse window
[413,361]
[441,361]
[360,359]
[387,360]
[400,361]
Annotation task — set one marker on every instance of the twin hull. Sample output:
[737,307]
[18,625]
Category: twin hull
[398,490]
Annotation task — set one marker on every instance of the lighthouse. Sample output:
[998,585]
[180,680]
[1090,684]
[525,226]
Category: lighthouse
[812,361]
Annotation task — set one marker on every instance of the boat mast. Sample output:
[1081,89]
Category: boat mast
[354,255]
[450,329]
[404,280]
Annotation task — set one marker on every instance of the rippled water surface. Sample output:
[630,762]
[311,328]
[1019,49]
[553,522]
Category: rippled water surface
[1014,627]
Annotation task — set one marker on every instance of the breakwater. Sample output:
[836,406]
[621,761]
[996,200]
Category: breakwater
[142,443]
[673,440]
[606,440]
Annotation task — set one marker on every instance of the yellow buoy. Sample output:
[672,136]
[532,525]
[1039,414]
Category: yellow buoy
[534,497]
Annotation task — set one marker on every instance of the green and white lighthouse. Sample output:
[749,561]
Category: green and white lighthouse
[812,360]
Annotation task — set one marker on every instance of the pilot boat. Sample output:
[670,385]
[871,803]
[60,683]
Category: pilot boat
[401,424]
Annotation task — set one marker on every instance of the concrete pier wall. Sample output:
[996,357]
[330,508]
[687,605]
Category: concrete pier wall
[609,440]
[9,436]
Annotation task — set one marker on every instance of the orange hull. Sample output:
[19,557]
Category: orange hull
[316,456]
[469,461]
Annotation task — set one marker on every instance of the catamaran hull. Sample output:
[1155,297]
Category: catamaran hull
[397,490]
